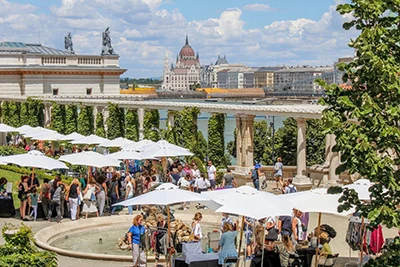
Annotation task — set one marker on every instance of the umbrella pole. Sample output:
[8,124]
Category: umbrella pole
[240,240]
[263,245]
[362,241]
[169,236]
[319,234]
[33,175]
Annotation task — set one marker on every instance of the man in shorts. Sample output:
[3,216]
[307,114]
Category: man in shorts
[212,173]
[278,173]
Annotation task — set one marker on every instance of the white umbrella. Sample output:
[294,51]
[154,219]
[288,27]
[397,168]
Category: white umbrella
[117,142]
[37,131]
[90,140]
[361,189]
[35,159]
[73,136]
[164,149]
[53,136]
[166,186]
[24,128]
[127,154]
[4,128]
[139,146]
[90,158]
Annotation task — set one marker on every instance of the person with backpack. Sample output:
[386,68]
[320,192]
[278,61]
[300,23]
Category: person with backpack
[285,225]
[290,188]
[255,176]
[278,173]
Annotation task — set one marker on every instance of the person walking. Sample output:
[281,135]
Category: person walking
[45,197]
[229,179]
[278,173]
[33,202]
[212,174]
[72,197]
[134,235]
[23,189]
[114,192]
[129,190]
[290,188]
[55,201]
[255,176]
[101,195]
[89,198]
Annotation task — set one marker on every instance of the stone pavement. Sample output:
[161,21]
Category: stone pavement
[338,244]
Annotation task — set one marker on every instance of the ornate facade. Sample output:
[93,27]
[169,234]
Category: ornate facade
[185,75]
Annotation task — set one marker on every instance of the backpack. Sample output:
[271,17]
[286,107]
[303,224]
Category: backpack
[292,189]
[329,229]
[254,175]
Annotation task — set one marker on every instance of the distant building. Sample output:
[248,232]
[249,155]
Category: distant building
[264,76]
[35,70]
[248,78]
[185,75]
[302,78]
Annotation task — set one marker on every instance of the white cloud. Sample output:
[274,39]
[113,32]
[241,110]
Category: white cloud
[143,30]
[258,7]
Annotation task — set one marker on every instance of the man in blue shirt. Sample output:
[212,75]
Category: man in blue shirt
[134,234]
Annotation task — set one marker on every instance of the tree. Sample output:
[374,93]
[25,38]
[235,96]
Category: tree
[13,118]
[5,112]
[132,125]
[286,142]
[365,118]
[216,139]
[231,145]
[315,142]
[24,113]
[35,113]
[115,121]
[86,121]
[58,118]
[151,123]
[71,119]
[100,131]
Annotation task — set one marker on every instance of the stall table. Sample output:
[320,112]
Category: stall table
[271,258]
[7,208]
[197,260]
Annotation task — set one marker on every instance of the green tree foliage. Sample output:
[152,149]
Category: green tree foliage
[216,139]
[13,114]
[170,133]
[58,118]
[115,121]
[35,113]
[100,131]
[24,113]
[71,119]
[86,121]
[151,121]
[231,145]
[19,249]
[365,118]
[286,142]
[5,112]
[262,142]
[132,125]
[201,151]
[316,142]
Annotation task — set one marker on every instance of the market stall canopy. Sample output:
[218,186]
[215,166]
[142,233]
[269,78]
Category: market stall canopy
[315,200]
[73,136]
[35,159]
[90,158]
[117,142]
[243,201]
[164,149]
[4,128]
[90,140]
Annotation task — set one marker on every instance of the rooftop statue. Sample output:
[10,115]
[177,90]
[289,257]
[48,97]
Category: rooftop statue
[107,47]
[68,43]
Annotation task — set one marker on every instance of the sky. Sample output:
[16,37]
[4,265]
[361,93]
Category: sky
[252,32]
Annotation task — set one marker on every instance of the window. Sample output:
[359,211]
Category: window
[55,91]
[88,91]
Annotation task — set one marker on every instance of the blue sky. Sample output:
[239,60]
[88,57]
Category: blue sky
[252,32]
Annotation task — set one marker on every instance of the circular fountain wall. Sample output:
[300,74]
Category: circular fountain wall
[81,239]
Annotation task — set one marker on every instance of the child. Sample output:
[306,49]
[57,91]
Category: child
[33,202]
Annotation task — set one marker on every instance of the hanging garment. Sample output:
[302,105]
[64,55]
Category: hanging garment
[377,240]
[354,233]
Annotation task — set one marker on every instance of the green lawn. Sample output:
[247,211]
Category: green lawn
[14,178]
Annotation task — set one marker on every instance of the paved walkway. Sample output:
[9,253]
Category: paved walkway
[338,244]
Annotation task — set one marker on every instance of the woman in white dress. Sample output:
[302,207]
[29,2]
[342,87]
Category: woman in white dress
[89,198]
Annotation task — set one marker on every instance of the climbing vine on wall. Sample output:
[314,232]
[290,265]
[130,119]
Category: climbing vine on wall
[13,118]
[86,121]
[216,139]
[5,112]
[115,121]
[71,119]
[132,125]
[35,113]
[151,122]
[58,118]
[100,131]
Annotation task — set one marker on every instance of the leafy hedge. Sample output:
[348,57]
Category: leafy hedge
[132,125]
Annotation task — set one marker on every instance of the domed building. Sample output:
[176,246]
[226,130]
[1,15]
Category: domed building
[185,75]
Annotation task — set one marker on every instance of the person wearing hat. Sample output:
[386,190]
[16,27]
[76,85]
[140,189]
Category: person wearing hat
[255,176]
[324,251]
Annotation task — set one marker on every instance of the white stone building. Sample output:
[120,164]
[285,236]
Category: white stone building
[185,75]
[35,70]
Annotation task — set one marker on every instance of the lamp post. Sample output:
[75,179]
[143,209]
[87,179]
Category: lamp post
[272,124]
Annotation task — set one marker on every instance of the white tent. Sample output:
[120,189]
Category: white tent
[164,149]
[4,128]
[90,140]
[73,136]
[117,142]
[90,158]
[35,159]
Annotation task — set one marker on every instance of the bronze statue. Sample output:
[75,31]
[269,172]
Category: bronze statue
[107,47]
[68,43]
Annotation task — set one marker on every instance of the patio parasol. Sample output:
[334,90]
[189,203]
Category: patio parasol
[90,158]
[117,142]
[89,140]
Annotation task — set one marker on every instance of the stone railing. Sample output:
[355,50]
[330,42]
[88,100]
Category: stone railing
[54,60]
[89,61]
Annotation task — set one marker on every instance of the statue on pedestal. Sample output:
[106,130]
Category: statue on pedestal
[68,43]
[107,47]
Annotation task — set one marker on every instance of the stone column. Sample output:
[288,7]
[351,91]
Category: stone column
[140,112]
[301,180]
[47,115]
[334,161]
[328,150]
[106,113]
[244,140]
[171,118]
[238,140]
